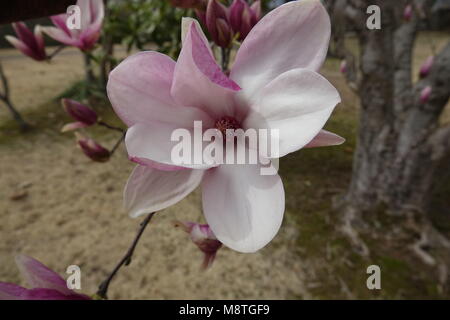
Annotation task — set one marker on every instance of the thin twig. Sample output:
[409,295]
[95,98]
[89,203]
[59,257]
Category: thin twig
[6,99]
[106,125]
[54,53]
[118,143]
[126,260]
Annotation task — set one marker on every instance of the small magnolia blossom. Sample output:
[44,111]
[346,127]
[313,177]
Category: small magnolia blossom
[273,84]
[29,43]
[408,12]
[426,67]
[204,239]
[425,94]
[83,115]
[244,17]
[92,13]
[45,284]
[92,149]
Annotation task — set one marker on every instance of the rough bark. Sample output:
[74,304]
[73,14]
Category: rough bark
[399,143]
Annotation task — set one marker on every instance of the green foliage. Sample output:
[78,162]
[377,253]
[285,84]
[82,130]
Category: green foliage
[136,23]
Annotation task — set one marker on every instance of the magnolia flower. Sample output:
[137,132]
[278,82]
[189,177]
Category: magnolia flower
[92,149]
[273,84]
[204,239]
[426,67]
[45,284]
[83,115]
[29,43]
[92,13]
[425,94]
[243,17]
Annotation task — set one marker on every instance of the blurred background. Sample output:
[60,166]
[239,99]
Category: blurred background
[382,198]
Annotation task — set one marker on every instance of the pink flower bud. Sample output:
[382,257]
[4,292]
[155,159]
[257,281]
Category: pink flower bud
[243,17]
[408,12]
[29,43]
[343,67]
[426,67]
[92,149]
[425,94]
[84,115]
[204,238]
[217,24]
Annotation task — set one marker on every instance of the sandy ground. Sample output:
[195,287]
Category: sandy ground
[72,214]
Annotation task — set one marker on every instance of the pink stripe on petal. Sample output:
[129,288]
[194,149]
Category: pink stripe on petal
[198,81]
[10,291]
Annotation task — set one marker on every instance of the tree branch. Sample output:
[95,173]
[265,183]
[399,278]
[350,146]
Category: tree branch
[125,261]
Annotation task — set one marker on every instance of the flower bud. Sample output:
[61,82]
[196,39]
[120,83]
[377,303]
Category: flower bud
[425,94]
[29,43]
[243,17]
[92,149]
[343,67]
[426,67]
[204,239]
[218,25]
[408,12]
[84,115]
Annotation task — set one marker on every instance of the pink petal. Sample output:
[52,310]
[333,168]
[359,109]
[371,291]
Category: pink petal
[139,91]
[325,139]
[297,103]
[10,291]
[19,45]
[243,208]
[199,81]
[73,126]
[155,165]
[50,294]
[60,21]
[39,276]
[295,35]
[152,141]
[60,36]
[149,190]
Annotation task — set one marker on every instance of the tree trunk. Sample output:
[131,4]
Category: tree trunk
[400,144]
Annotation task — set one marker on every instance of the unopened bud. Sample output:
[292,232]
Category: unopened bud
[343,67]
[204,239]
[92,149]
[426,67]
[84,115]
[408,12]
[425,94]
[217,24]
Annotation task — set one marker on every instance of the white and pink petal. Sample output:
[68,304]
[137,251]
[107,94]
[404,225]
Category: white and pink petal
[149,190]
[243,208]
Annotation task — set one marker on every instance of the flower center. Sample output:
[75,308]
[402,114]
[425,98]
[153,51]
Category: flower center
[227,123]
